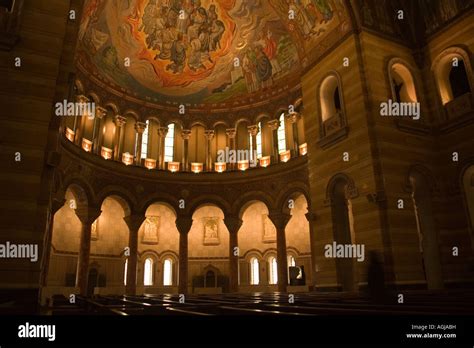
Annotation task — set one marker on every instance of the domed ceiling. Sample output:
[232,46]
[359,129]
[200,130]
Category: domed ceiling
[203,52]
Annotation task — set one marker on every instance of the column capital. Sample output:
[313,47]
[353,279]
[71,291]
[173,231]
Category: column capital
[57,204]
[186,134]
[134,221]
[209,134]
[162,131]
[231,132]
[184,223]
[311,216]
[293,117]
[253,130]
[81,98]
[140,127]
[120,120]
[100,112]
[87,215]
[280,220]
[274,124]
[233,223]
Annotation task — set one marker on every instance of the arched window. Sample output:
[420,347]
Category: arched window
[452,75]
[281,134]
[330,98]
[254,271]
[148,272]
[259,140]
[125,273]
[168,272]
[145,141]
[402,83]
[273,270]
[291,261]
[169,144]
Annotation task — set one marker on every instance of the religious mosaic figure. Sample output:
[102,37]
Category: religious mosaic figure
[211,231]
[150,230]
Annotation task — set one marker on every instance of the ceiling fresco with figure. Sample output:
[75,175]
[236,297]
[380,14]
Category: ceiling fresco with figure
[205,51]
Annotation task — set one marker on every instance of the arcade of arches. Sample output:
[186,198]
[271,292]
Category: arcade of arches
[225,153]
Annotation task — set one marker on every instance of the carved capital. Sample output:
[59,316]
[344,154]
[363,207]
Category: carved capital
[232,223]
[140,127]
[293,117]
[253,130]
[184,223]
[231,132]
[209,134]
[100,112]
[87,215]
[280,220]
[120,120]
[81,99]
[134,221]
[311,216]
[273,124]
[162,131]
[186,134]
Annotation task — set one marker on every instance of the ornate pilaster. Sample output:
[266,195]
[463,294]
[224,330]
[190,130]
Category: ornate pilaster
[274,125]
[133,222]
[162,132]
[231,133]
[185,134]
[293,119]
[119,123]
[139,128]
[183,224]
[233,224]
[98,137]
[280,220]
[253,131]
[209,134]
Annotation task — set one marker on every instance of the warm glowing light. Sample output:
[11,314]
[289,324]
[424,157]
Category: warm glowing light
[86,145]
[70,134]
[173,166]
[264,161]
[303,149]
[150,163]
[127,158]
[243,165]
[220,167]
[285,156]
[196,167]
[106,152]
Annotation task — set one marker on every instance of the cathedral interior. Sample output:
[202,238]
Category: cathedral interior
[214,157]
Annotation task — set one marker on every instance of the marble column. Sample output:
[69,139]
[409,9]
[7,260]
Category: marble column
[98,137]
[119,123]
[183,224]
[133,222]
[274,125]
[253,131]
[209,134]
[185,134]
[311,217]
[139,128]
[293,119]
[80,121]
[233,224]
[87,215]
[162,131]
[231,133]
[280,220]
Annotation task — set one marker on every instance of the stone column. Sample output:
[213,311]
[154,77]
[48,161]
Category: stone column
[274,125]
[209,134]
[231,132]
[81,121]
[253,131]
[162,131]
[233,224]
[100,114]
[119,123]
[293,119]
[311,217]
[185,134]
[280,220]
[139,128]
[133,222]
[183,223]
[87,215]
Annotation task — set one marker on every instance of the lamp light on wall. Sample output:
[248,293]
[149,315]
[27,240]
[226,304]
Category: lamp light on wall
[150,163]
[220,167]
[196,167]
[243,165]
[264,161]
[86,145]
[173,167]
[106,152]
[127,158]
[285,156]
[70,134]
[303,149]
